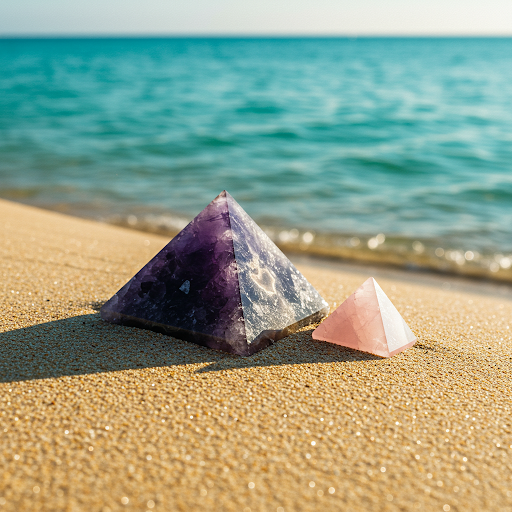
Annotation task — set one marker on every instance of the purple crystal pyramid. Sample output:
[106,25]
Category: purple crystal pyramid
[222,283]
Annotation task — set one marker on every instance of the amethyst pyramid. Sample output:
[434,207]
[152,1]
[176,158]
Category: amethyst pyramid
[222,283]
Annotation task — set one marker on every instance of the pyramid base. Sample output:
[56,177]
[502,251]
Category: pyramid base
[401,349]
[384,356]
[263,340]
[391,354]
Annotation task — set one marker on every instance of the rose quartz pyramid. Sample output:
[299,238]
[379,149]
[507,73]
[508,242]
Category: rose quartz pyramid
[367,321]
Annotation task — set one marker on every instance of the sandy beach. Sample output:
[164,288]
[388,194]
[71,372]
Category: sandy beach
[100,417]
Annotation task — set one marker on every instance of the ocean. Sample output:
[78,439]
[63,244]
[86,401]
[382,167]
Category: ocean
[385,150]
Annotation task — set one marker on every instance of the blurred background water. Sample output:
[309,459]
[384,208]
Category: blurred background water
[389,150]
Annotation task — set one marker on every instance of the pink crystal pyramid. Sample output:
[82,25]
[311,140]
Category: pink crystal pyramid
[369,322]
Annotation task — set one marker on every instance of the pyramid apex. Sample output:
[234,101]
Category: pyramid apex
[224,195]
[369,283]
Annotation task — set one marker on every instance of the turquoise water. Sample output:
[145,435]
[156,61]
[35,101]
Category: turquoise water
[326,142]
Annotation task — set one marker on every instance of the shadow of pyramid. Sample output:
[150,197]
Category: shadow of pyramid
[84,345]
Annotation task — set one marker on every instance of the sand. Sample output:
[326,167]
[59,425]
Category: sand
[98,417]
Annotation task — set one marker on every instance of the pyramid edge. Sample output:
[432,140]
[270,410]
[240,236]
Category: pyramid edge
[402,348]
[227,196]
[275,335]
[205,340]
[408,344]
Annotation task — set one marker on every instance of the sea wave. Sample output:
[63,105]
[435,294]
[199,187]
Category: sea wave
[411,253]
[334,140]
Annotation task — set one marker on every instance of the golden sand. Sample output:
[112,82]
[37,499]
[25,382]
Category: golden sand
[99,417]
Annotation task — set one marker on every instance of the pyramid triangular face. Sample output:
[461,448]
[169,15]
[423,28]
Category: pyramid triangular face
[367,321]
[191,285]
[213,286]
[273,292]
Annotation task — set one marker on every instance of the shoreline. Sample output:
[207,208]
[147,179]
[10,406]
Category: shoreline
[425,277]
[408,255]
[97,416]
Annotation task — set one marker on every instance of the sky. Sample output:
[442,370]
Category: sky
[255,17]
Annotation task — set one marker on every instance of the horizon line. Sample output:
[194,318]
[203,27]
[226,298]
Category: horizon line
[249,36]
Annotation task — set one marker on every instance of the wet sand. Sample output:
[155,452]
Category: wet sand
[99,417]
